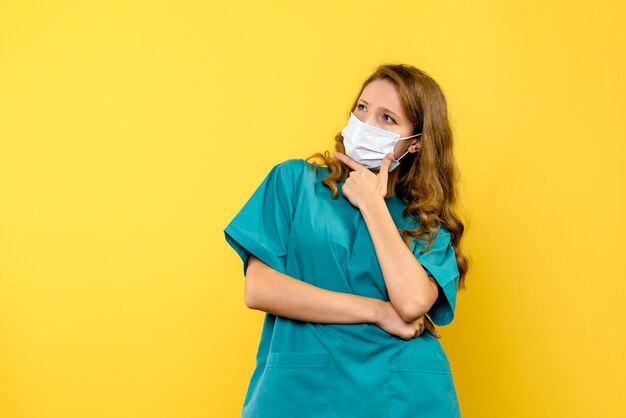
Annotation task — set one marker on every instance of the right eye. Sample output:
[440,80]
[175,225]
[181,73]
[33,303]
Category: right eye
[359,106]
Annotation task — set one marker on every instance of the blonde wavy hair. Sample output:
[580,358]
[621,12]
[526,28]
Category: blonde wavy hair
[428,180]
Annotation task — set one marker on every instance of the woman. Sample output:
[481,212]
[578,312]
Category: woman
[353,258]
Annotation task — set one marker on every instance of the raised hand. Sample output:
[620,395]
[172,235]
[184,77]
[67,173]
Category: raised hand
[363,185]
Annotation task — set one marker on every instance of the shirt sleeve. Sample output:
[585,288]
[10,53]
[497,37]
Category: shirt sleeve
[262,226]
[440,263]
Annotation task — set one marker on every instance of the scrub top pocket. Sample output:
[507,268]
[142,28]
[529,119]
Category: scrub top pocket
[292,385]
[421,387]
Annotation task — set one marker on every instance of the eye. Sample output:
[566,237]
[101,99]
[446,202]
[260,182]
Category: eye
[359,106]
[390,118]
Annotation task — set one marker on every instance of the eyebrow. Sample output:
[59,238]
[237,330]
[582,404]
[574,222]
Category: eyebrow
[396,115]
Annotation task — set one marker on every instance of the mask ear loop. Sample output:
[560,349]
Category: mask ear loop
[393,159]
[399,158]
[407,151]
[407,137]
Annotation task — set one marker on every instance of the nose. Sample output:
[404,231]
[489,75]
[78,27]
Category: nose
[370,119]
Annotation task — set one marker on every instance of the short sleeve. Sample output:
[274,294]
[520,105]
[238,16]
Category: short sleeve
[440,263]
[262,226]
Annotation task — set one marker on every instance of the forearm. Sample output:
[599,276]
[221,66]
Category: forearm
[274,292]
[410,289]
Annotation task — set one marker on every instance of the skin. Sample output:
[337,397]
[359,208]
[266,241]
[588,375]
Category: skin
[271,291]
[379,105]
[411,291]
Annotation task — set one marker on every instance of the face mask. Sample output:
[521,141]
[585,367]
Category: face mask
[368,144]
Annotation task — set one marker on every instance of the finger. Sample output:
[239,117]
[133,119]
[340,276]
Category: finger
[431,328]
[420,331]
[347,160]
[383,172]
[384,166]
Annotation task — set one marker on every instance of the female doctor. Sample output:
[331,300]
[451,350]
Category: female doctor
[353,259]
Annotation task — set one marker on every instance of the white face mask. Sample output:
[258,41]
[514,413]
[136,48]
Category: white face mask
[368,144]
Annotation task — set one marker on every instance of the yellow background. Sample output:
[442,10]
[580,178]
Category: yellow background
[132,132]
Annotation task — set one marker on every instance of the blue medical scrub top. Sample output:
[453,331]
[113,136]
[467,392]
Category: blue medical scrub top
[308,369]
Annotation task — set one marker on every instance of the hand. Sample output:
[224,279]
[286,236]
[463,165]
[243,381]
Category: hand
[390,321]
[362,185]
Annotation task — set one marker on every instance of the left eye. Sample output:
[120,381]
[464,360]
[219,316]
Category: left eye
[387,116]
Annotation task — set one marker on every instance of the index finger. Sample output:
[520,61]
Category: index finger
[384,167]
[349,161]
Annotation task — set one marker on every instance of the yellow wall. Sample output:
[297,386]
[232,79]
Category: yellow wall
[132,132]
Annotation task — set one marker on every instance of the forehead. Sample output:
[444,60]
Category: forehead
[382,93]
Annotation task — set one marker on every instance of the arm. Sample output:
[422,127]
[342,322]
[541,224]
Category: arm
[411,291]
[271,291]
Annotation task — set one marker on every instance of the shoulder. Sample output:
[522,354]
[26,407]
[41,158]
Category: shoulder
[297,164]
[443,232]
[443,237]
[292,174]
[414,221]
[441,240]
[294,169]
[292,165]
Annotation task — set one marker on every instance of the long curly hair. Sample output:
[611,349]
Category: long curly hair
[428,180]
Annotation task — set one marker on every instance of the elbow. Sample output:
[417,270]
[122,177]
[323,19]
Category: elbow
[249,293]
[248,297]
[251,283]
[413,311]
[248,290]
[417,307]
